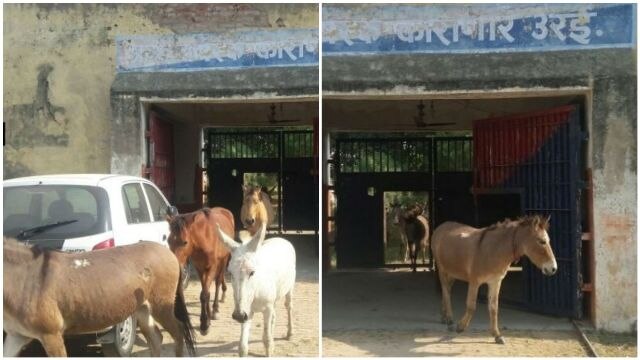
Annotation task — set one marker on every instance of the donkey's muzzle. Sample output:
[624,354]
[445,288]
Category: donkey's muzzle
[250,221]
[550,271]
[240,316]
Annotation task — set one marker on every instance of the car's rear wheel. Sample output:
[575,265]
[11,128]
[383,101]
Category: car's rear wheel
[124,337]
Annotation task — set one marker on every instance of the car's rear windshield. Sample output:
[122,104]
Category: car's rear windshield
[84,209]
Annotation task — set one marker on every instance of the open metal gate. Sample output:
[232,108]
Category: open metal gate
[366,167]
[534,159]
[287,153]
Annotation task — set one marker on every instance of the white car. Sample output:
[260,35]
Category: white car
[87,212]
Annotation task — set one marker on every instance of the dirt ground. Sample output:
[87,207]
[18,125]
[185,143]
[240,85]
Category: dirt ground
[357,343]
[397,313]
[223,336]
[613,345]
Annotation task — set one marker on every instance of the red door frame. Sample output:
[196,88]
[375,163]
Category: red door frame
[161,162]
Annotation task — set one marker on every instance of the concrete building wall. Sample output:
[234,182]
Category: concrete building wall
[605,74]
[60,64]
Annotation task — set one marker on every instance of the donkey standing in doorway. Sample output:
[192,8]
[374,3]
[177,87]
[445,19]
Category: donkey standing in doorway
[483,256]
[256,208]
[414,232]
[263,271]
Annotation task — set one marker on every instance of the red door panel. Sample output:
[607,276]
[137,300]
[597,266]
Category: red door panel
[161,151]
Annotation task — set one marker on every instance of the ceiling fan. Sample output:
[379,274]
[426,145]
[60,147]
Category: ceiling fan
[420,120]
[271,116]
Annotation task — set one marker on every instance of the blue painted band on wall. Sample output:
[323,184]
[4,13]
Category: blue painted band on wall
[476,28]
[230,50]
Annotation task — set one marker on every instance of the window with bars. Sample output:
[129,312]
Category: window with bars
[244,145]
[404,155]
[260,145]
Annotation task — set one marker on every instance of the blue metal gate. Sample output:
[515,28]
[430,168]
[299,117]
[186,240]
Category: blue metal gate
[537,157]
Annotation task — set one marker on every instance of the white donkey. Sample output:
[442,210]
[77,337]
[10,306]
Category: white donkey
[262,271]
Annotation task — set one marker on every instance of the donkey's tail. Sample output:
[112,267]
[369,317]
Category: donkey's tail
[227,260]
[434,268]
[222,269]
[181,313]
[437,282]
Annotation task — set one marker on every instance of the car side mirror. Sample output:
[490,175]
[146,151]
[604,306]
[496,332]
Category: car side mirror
[172,211]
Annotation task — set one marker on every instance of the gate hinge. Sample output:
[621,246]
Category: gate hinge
[584,135]
[145,171]
[580,281]
[583,184]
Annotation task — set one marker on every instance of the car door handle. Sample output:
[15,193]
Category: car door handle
[164,237]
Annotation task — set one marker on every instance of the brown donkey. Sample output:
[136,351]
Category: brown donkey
[256,208]
[48,294]
[193,235]
[414,232]
[483,256]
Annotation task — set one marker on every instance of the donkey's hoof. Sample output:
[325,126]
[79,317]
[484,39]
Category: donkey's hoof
[459,329]
[451,327]
[204,332]
[215,315]
[500,340]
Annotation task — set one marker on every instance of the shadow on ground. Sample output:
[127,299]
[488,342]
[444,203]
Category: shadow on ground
[397,313]
[401,300]
[384,343]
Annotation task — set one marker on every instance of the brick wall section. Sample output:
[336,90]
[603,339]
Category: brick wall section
[194,18]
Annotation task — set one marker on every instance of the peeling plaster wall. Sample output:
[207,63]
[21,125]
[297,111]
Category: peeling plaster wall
[59,66]
[611,76]
[615,179]
[58,69]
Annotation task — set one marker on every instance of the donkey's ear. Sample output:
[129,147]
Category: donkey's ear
[245,189]
[258,238]
[546,221]
[228,242]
